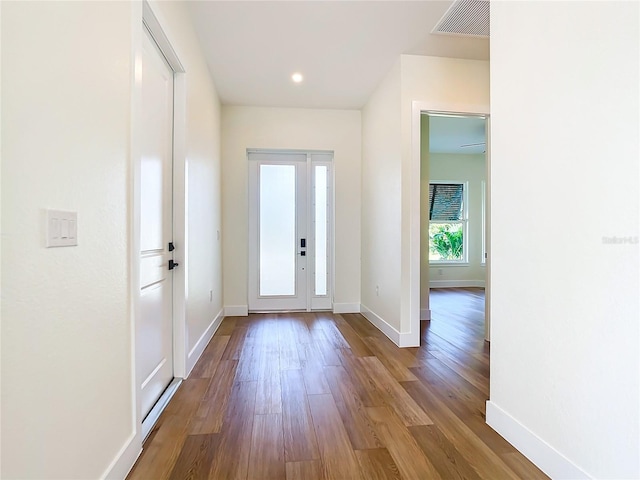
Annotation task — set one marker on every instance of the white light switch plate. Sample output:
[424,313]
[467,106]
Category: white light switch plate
[62,228]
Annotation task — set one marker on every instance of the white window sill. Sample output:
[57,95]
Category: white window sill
[448,264]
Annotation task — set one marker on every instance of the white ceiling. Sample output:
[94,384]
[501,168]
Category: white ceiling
[450,134]
[343,48]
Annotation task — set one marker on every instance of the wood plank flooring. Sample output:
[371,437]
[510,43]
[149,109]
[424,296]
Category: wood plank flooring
[321,396]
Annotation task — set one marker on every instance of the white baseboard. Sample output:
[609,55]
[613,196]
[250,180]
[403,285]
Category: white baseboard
[400,339]
[409,340]
[456,283]
[382,325]
[425,314]
[346,308]
[125,459]
[236,310]
[203,341]
[543,455]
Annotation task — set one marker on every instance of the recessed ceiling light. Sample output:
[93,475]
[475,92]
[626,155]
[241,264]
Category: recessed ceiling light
[297,77]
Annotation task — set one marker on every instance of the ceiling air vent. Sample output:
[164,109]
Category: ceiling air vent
[469,18]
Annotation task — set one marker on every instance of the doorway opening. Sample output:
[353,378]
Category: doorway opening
[454,224]
[290,230]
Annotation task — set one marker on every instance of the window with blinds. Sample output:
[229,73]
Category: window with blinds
[447,222]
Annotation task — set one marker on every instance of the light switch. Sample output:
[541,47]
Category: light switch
[62,228]
[54,228]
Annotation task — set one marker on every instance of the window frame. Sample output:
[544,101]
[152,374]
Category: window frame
[464,261]
[483,213]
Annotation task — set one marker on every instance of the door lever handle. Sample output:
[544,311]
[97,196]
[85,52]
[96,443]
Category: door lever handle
[173,264]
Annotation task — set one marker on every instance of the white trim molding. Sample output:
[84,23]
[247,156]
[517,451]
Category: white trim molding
[157,29]
[381,325]
[203,341]
[543,455]
[425,314]
[124,459]
[456,283]
[236,310]
[408,339]
[400,339]
[346,308]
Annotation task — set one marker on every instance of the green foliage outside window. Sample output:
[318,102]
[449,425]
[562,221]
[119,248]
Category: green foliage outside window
[445,241]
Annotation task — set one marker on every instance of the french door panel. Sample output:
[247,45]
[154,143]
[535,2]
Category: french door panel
[285,269]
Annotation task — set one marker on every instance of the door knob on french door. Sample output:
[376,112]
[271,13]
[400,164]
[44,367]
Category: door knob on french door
[173,264]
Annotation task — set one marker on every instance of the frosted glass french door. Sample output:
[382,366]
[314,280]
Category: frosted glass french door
[289,231]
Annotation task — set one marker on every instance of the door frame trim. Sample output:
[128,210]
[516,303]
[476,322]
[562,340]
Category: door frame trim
[147,17]
[414,263]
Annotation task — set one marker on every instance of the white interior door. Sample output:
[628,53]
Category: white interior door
[289,231]
[154,354]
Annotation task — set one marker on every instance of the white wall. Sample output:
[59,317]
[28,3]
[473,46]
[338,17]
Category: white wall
[471,169]
[304,129]
[381,183]
[66,338]
[391,179]
[565,332]
[68,409]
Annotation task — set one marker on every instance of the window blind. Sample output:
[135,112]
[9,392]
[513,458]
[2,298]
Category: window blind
[445,202]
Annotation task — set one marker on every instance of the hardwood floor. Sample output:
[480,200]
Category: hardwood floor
[321,396]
